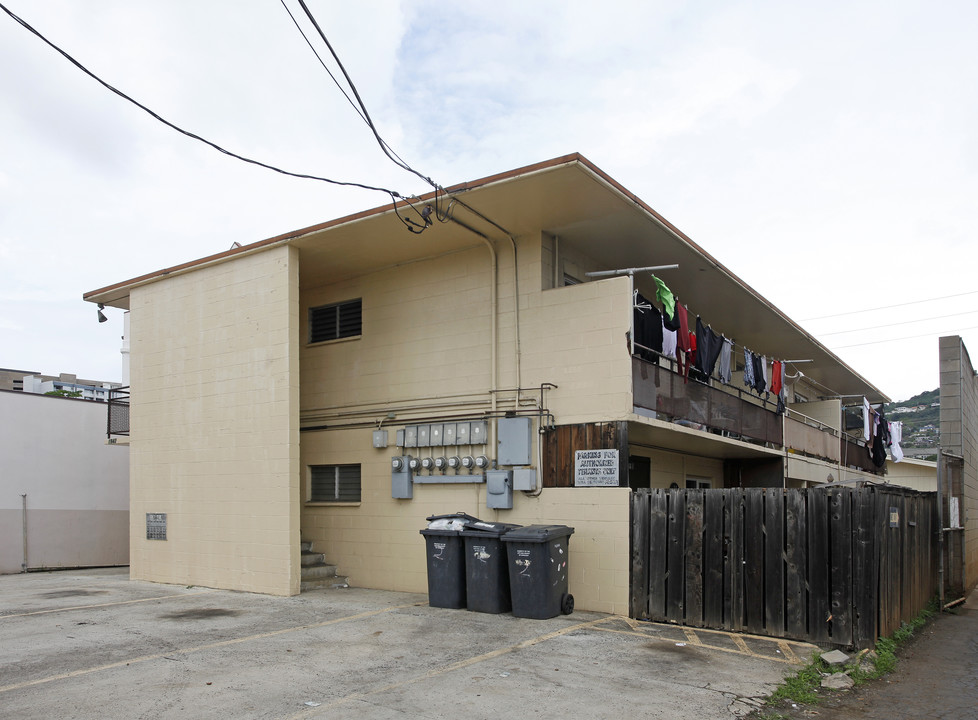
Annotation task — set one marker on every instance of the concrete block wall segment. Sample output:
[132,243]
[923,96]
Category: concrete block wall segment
[377,543]
[959,425]
[215,425]
[576,338]
[419,337]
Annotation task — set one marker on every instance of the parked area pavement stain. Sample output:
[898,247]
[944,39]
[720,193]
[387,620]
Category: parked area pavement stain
[56,594]
[200,614]
[140,649]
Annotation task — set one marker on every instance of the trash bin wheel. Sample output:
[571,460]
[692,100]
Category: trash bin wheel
[567,604]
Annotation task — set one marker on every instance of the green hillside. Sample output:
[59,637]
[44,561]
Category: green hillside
[921,427]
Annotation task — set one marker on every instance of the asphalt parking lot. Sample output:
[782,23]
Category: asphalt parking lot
[92,643]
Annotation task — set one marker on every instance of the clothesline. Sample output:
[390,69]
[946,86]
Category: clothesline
[641,307]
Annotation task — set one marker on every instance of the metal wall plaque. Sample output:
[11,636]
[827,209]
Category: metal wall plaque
[156,526]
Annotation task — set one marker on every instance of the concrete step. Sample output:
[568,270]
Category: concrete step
[312,558]
[322,570]
[305,546]
[327,583]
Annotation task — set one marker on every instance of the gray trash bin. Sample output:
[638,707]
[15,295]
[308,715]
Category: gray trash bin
[446,563]
[537,558]
[486,567]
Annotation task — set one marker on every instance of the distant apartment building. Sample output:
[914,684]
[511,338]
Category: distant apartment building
[31,381]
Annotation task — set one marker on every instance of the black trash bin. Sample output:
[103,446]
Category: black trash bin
[446,563]
[486,568]
[537,559]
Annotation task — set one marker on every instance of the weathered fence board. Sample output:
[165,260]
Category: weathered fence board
[796,559]
[753,560]
[819,606]
[676,556]
[694,558]
[822,564]
[840,575]
[714,588]
[658,569]
[774,558]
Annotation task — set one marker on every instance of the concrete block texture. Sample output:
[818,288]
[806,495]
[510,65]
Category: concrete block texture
[959,435]
[215,441]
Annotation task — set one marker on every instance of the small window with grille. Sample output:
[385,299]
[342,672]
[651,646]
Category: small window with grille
[332,322]
[335,483]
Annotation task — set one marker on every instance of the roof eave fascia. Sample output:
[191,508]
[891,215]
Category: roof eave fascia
[117,291]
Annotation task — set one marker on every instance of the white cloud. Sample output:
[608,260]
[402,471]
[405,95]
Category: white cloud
[824,152]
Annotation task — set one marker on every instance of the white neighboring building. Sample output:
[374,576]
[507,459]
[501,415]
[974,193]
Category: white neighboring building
[63,489]
[39,385]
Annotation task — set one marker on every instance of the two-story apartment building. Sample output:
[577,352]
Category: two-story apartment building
[339,383]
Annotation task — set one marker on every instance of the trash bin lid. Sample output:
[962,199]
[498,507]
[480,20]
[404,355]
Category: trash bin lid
[538,533]
[453,516]
[488,529]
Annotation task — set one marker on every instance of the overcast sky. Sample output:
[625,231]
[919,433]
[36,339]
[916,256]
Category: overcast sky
[824,152]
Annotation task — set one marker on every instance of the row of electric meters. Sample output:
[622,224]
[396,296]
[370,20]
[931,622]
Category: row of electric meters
[514,445]
[500,483]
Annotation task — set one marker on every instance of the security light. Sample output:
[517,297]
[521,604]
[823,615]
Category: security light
[101,315]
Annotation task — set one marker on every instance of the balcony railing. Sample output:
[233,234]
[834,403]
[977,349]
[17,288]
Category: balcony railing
[856,454]
[809,437]
[118,412]
[694,404]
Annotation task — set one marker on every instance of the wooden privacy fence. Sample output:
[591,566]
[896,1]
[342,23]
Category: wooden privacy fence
[840,566]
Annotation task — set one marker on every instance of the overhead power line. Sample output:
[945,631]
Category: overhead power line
[394,195]
[902,322]
[331,75]
[365,114]
[908,337]
[361,109]
[887,307]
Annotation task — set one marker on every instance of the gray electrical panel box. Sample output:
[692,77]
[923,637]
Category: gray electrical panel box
[478,434]
[435,435]
[411,436]
[499,489]
[525,479]
[402,482]
[448,435]
[380,438]
[462,433]
[424,438]
[514,441]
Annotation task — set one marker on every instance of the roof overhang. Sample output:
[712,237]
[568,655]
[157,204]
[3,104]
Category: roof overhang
[572,199]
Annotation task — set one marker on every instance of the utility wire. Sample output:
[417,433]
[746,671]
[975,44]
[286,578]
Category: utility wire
[331,75]
[903,322]
[364,113]
[321,62]
[356,94]
[394,195]
[908,337]
[411,225]
[887,307]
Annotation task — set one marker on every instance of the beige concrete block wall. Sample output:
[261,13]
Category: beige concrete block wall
[575,337]
[827,412]
[959,435]
[673,467]
[426,330]
[377,543]
[76,486]
[807,472]
[214,425]
[918,475]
